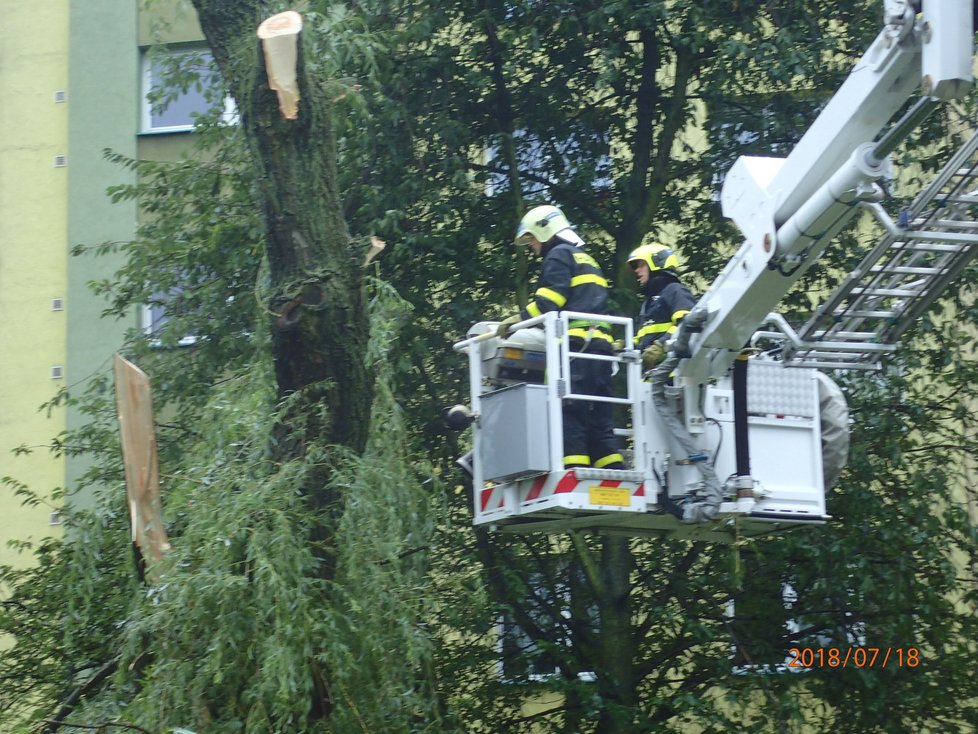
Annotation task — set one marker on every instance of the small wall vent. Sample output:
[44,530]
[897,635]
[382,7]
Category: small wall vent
[60,161]
[57,372]
[57,304]
[60,95]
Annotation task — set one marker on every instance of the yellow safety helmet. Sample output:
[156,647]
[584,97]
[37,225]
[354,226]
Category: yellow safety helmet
[544,222]
[656,256]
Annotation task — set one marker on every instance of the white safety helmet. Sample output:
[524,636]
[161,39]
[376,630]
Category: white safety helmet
[546,222]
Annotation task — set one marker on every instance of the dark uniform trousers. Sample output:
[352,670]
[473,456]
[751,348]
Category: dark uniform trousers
[589,438]
[570,279]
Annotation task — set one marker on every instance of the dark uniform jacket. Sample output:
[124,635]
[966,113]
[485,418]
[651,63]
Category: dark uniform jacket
[667,301]
[570,280]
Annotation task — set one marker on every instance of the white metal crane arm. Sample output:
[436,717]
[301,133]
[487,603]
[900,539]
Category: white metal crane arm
[790,209]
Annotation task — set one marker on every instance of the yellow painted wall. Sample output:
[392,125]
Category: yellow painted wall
[33,195]
[172,22]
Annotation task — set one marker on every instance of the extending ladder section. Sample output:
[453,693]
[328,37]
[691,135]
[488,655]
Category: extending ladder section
[899,279]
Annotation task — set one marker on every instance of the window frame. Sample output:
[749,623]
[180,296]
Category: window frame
[147,112]
[152,318]
[797,626]
[512,637]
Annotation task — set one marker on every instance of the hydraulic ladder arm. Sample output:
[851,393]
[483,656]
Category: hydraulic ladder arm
[789,210]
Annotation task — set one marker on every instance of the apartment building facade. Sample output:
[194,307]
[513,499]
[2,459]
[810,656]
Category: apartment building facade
[73,80]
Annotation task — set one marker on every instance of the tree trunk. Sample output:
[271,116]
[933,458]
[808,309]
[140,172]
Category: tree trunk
[316,300]
[616,639]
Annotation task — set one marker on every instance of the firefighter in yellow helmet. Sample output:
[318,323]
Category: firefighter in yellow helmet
[571,280]
[666,301]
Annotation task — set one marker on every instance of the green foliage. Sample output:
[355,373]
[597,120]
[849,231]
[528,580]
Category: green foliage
[240,632]
[63,613]
[240,629]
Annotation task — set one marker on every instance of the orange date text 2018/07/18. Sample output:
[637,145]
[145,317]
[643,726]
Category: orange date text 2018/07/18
[854,657]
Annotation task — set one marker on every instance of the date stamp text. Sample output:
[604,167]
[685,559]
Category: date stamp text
[854,657]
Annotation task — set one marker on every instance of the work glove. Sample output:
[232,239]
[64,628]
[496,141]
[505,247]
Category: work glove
[618,345]
[502,331]
[653,354]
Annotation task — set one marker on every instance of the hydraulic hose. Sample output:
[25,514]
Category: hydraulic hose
[705,504]
[741,446]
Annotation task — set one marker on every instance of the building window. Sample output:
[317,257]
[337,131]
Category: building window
[578,157]
[179,86]
[155,317]
[775,613]
[759,125]
[521,656]
[531,651]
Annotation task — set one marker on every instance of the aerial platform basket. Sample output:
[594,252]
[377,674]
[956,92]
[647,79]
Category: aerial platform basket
[517,389]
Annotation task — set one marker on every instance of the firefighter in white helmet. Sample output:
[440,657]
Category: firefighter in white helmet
[666,302]
[570,279]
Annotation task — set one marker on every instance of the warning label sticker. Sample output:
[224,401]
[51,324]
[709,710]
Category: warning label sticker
[614,496]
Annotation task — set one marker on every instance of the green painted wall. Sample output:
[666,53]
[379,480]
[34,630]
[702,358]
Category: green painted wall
[104,80]
[33,273]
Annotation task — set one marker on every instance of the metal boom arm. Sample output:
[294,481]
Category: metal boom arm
[790,209]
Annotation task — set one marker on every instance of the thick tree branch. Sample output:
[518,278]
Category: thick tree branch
[505,118]
[320,317]
[85,689]
[635,191]
[104,726]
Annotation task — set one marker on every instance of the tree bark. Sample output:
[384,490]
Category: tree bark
[616,641]
[316,299]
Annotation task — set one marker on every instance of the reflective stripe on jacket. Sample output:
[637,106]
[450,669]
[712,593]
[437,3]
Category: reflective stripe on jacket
[662,312]
[570,280]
